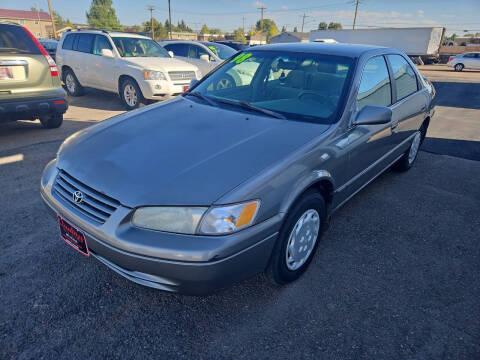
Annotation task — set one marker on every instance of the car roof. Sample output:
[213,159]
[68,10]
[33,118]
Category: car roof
[340,49]
[105,32]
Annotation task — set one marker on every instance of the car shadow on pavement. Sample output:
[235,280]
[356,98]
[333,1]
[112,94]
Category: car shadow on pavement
[97,99]
[457,94]
[465,149]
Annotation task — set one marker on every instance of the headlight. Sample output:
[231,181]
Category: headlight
[175,219]
[228,219]
[153,75]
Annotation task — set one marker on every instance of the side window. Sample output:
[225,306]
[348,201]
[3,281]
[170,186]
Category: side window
[405,79]
[469,55]
[195,52]
[68,42]
[84,43]
[375,88]
[101,42]
[178,49]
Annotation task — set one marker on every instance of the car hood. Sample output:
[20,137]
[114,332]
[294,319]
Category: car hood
[158,63]
[179,152]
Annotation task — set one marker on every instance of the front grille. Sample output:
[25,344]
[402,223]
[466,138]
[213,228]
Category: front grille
[181,75]
[94,204]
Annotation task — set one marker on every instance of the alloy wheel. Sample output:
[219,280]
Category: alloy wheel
[130,95]
[70,83]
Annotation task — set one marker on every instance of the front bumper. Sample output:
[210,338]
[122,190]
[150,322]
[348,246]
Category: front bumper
[162,89]
[32,109]
[173,262]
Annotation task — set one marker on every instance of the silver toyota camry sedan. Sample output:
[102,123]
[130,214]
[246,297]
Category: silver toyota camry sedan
[195,193]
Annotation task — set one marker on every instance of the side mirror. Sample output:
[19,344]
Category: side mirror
[205,57]
[193,82]
[107,53]
[171,53]
[373,115]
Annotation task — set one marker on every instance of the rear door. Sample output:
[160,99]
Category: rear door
[410,103]
[468,60]
[24,71]
[83,59]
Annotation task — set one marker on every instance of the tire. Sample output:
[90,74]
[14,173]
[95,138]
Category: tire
[72,85]
[131,94]
[226,82]
[285,267]
[406,162]
[52,122]
[459,67]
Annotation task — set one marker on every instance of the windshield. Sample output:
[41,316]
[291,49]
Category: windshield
[138,47]
[222,51]
[299,86]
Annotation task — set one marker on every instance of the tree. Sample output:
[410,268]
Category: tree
[284,29]
[269,28]
[182,27]
[295,29]
[204,29]
[322,26]
[159,31]
[102,15]
[60,21]
[239,35]
[334,26]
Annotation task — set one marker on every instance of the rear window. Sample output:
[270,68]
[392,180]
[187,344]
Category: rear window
[14,40]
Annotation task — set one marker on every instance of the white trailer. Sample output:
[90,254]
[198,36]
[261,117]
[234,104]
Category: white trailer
[415,42]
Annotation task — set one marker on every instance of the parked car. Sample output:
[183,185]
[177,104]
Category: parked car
[50,45]
[203,54]
[217,185]
[133,66]
[470,60]
[30,88]
[236,45]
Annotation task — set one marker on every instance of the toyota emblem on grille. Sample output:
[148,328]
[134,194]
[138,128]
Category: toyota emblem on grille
[77,197]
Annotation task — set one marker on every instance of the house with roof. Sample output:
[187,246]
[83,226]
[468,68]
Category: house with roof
[290,37]
[37,22]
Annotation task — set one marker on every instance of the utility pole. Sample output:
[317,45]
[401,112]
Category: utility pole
[169,20]
[151,8]
[355,17]
[243,27]
[52,18]
[262,9]
[303,20]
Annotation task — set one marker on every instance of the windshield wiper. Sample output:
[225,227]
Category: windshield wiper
[203,97]
[247,105]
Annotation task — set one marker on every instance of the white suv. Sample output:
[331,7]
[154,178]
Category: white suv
[134,66]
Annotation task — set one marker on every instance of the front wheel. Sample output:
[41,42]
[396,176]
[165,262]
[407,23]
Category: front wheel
[131,94]
[459,67]
[225,82]
[298,239]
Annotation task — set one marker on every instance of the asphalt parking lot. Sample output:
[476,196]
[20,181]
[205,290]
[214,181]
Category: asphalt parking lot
[396,275]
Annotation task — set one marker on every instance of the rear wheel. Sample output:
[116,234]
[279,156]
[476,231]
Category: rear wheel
[298,239]
[408,159]
[131,94]
[225,82]
[71,83]
[459,67]
[51,122]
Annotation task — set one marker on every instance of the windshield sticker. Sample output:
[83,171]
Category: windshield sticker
[214,49]
[241,58]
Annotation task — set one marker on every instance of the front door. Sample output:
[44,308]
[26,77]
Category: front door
[104,68]
[368,146]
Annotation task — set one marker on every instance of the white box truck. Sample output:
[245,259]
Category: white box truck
[421,42]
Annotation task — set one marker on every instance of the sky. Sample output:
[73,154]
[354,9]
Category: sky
[456,16]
